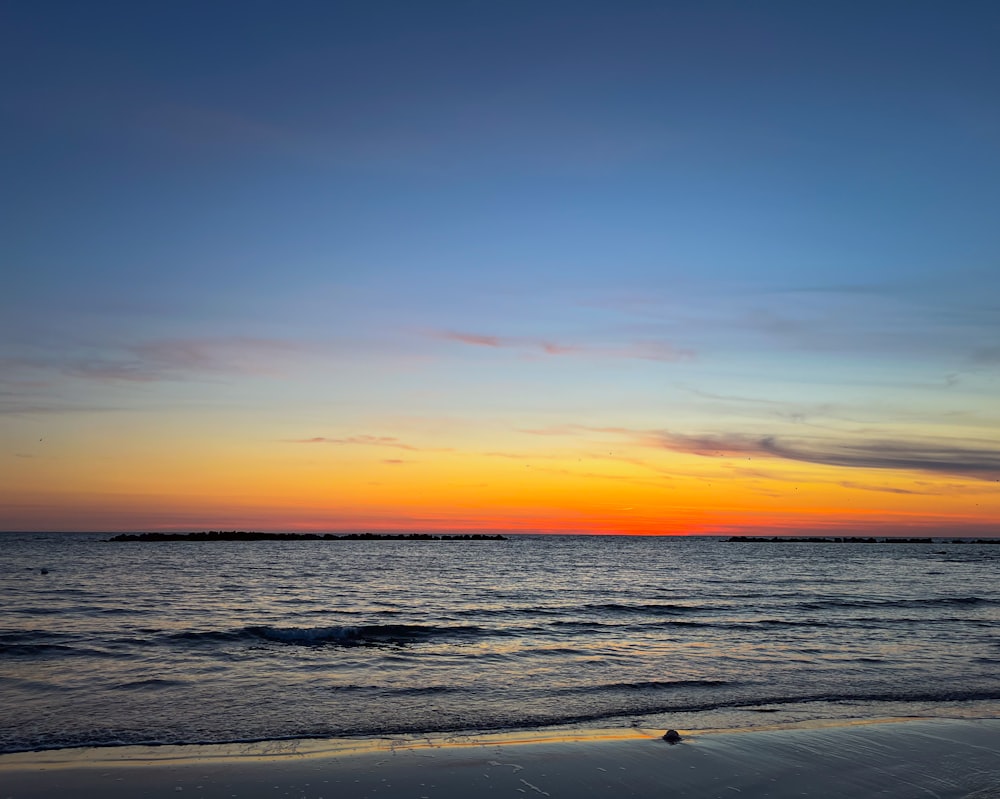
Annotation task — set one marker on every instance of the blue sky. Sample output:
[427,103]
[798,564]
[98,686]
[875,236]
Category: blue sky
[450,223]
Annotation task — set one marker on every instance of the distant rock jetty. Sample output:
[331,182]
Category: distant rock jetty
[239,535]
[787,539]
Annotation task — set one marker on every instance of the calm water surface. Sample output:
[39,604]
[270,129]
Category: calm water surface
[184,642]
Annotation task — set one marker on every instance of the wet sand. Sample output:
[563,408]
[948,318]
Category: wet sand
[898,758]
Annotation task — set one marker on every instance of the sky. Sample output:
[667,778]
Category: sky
[599,267]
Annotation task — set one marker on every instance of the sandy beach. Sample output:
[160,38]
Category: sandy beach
[887,758]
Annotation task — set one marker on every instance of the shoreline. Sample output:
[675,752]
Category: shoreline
[890,757]
[336,746]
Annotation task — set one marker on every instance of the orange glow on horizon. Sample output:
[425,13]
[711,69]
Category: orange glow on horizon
[374,486]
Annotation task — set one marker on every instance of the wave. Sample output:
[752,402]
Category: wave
[644,705]
[38,643]
[942,697]
[930,602]
[364,634]
[643,686]
[588,610]
[43,644]
[514,612]
[43,650]
[645,608]
[339,635]
[426,690]
[553,651]
[580,628]
[29,636]
[150,684]
[35,649]
[45,611]
[730,624]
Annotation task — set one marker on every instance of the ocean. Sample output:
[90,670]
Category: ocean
[107,644]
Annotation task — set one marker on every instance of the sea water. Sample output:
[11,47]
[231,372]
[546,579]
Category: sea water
[192,642]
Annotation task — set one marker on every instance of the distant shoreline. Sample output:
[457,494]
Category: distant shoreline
[784,539]
[247,535]
[239,535]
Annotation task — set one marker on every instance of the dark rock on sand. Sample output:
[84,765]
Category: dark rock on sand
[672,737]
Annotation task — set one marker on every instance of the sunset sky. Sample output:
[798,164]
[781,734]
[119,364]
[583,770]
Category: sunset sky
[643,267]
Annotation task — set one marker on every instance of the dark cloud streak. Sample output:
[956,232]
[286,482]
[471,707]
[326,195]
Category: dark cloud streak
[934,457]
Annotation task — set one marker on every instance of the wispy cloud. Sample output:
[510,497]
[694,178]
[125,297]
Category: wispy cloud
[362,440]
[53,407]
[653,350]
[880,488]
[165,359]
[649,350]
[537,345]
[987,356]
[574,429]
[934,457]
[368,441]
[228,355]
[474,339]
[35,398]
